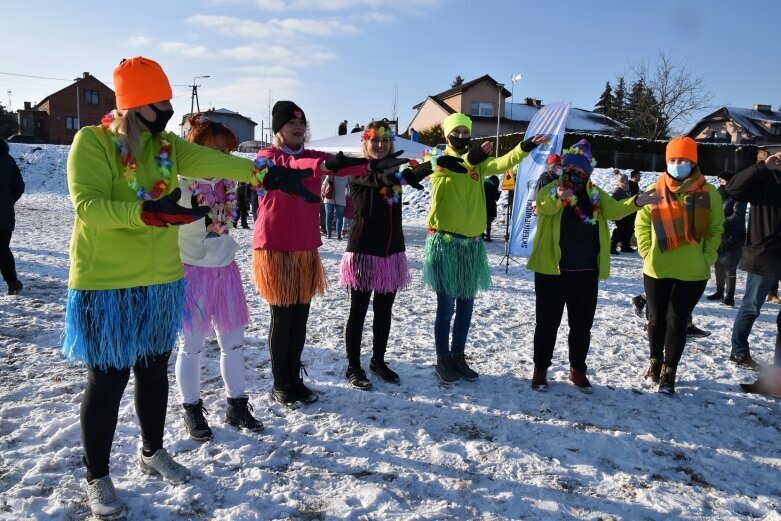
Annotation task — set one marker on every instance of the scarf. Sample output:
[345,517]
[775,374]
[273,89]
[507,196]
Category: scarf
[674,222]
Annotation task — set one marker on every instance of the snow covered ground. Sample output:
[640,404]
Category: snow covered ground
[488,450]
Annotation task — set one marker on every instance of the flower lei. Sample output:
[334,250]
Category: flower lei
[380,132]
[131,167]
[391,195]
[572,201]
[219,225]
[431,154]
[259,171]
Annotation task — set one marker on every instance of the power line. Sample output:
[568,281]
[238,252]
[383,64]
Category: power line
[37,77]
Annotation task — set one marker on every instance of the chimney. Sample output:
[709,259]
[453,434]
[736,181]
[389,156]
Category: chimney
[762,108]
[538,103]
[28,105]
[528,101]
[84,75]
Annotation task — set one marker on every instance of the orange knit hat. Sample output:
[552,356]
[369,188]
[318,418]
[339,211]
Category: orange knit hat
[140,81]
[682,146]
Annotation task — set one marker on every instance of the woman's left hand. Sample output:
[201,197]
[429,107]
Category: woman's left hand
[645,198]
[540,138]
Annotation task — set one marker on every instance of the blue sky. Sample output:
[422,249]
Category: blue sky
[343,59]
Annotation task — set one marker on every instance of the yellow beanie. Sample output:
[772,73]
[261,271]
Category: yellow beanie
[456,120]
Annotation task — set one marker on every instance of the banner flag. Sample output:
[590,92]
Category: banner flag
[550,120]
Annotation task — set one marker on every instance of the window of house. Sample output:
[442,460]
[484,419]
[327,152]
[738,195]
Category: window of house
[482,108]
[91,97]
[25,122]
[775,130]
[71,123]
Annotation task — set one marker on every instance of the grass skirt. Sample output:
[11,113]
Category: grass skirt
[372,273]
[284,278]
[214,298]
[115,328]
[456,266]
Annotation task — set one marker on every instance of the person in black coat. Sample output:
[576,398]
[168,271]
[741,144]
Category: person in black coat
[242,204]
[731,244]
[492,194]
[759,185]
[622,234]
[11,189]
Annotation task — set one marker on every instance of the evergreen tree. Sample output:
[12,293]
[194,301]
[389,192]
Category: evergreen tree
[605,104]
[619,101]
[432,136]
[8,123]
[457,81]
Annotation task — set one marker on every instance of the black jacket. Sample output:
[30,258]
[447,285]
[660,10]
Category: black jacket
[376,228]
[762,189]
[492,194]
[11,187]
[545,179]
[734,218]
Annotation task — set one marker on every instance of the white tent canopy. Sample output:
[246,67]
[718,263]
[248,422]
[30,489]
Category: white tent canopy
[351,144]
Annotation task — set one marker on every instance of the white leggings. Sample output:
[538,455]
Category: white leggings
[188,363]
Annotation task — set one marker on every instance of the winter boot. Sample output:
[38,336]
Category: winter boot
[654,371]
[357,378]
[745,361]
[772,297]
[445,370]
[667,380]
[381,369]
[103,500]
[462,368]
[540,379]
[302,392]
[284,395]
[580,380]
[715,296]
[239,414]
[729,300]
[638,305]
[14,288]
[195,422]
[693,331]
[163,464]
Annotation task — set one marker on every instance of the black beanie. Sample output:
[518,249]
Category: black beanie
[283,112]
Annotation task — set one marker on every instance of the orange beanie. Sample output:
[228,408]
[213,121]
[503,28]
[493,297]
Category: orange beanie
[140,81]
[682,146]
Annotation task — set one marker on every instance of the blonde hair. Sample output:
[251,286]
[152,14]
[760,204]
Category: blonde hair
[373,126]
[280,141]
[127,126]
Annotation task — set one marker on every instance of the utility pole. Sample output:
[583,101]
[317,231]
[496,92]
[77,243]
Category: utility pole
[194,95]
[9,100]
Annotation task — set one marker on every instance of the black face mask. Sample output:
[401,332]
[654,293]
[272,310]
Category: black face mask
[459,142]
[158,125]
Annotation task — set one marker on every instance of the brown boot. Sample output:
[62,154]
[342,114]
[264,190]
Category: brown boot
[580,380]
[667,380]
[540,379]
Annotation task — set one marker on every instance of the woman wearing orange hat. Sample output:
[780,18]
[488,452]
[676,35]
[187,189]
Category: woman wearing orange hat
[678,239]
[124,306]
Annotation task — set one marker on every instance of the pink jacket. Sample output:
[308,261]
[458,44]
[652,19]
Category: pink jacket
[286,222]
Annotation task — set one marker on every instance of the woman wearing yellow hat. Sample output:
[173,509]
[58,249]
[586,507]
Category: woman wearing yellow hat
[455,265]
[678,239]
[124,306]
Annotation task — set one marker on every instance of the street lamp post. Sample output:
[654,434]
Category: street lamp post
[194,95]
[513,78]
[498,115]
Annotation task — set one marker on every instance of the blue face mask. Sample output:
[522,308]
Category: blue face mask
[680,172]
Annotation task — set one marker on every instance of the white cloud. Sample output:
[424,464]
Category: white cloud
[274,54]
[184,49]
[265,70]
[339,5]
[139,41]
[379,18]
[275,28]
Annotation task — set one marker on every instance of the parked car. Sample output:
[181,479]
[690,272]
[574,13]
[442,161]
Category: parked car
[25,138]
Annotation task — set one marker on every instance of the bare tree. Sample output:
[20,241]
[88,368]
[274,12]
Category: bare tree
[678,94]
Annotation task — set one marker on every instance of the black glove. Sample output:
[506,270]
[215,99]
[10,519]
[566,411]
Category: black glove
[452,163]
[387,162]
[290,181]
[527,145]
[476,155]
[339,161]
[412,178]
[166,210]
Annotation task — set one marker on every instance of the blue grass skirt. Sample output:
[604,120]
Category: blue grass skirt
[456,265]
[115,328]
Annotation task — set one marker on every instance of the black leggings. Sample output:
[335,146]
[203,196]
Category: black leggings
[670,303]
[286,338]
[7,264]
[100,408]
[577,290]
[359,305]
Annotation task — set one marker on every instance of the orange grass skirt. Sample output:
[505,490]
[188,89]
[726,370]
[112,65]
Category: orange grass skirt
[284,278]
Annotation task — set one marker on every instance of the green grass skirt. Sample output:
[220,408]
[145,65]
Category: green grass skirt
[456,266]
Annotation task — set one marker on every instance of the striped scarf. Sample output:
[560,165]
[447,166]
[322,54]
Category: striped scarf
[674,222]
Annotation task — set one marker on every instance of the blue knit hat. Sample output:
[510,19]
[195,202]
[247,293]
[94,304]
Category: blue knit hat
[579,155]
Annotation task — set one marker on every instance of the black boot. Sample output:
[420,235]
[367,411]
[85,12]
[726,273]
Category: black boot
[14,288]
[445,369]
[716,296]
[667,380]
[195,422]
[654,371]
[462,368]
[381,369]
[357,378]
[239,414]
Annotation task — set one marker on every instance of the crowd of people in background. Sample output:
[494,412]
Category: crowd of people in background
[156,196]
